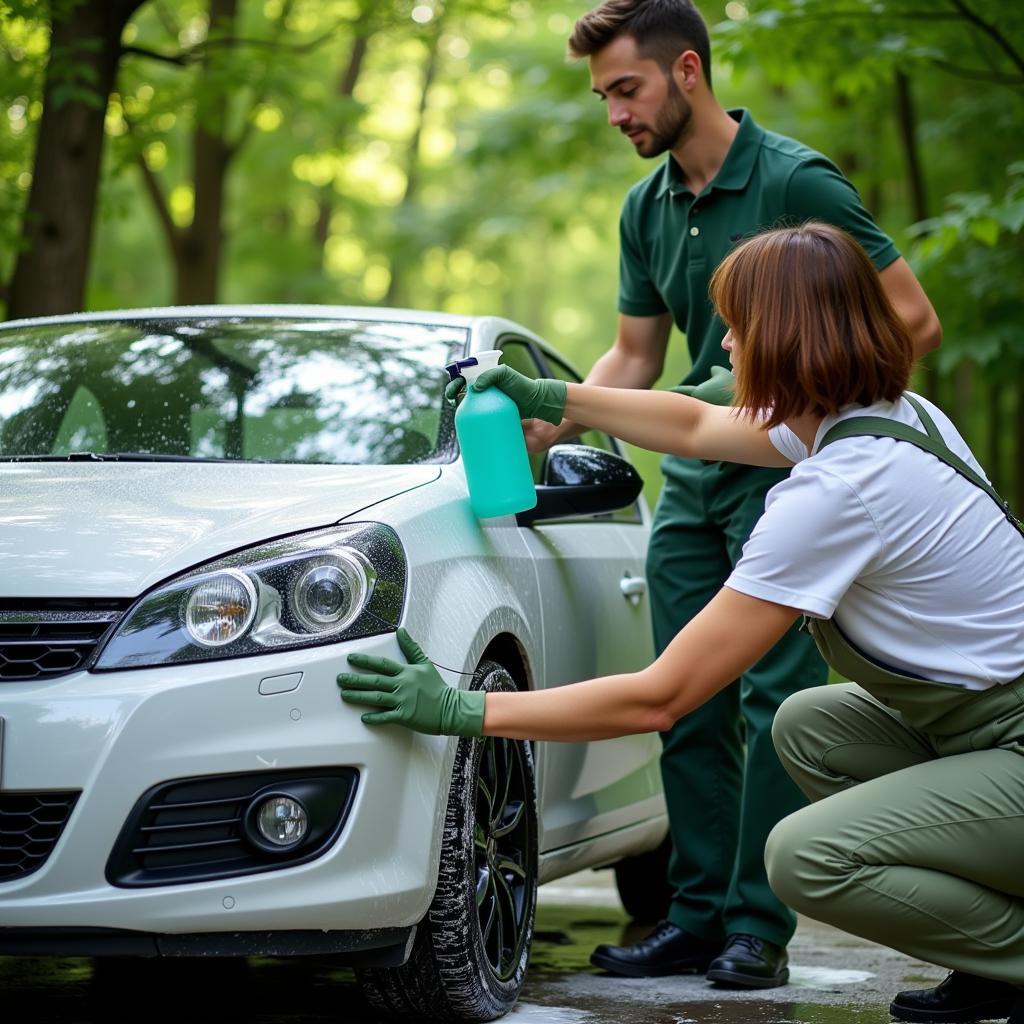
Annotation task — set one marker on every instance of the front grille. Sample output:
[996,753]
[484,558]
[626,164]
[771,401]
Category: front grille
[30,825]
[46,642]
[199,829]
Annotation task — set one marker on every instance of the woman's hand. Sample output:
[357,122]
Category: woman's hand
[542,399]
[413,695]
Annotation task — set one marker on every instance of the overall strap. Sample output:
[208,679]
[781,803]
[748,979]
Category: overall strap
[925,418]
[878,426]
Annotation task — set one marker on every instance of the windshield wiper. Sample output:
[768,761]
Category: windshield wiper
[118,457]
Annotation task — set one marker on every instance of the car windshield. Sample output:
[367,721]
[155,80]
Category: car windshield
[237,388]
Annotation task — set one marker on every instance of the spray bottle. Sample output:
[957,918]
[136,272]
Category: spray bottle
[490,435]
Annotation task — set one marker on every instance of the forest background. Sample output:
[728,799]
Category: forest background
[444,154]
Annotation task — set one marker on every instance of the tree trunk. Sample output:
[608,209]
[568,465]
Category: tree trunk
[906,117]
[52,267]
[346,88]
[963,394]
[197,260]
[996,426]
[847,158]
[400,261]
[1018,446]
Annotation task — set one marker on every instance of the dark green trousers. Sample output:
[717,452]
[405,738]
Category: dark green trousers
[724,785]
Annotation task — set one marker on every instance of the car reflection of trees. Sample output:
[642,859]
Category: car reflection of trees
[149,378]
[158,614]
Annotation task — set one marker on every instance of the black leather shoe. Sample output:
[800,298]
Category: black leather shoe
[750,962]
[959,999]
[667,950]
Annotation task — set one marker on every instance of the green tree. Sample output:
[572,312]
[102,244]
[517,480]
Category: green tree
[443,154]
[56,231]
[204,105]
[939,92]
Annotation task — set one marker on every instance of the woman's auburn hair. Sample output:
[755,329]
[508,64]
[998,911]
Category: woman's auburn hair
[815,331]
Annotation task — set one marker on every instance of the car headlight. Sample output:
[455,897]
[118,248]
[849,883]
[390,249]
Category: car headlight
[330,594]
[220,609]
[313,588]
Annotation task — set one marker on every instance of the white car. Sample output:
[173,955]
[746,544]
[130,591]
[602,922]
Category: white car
[202,512]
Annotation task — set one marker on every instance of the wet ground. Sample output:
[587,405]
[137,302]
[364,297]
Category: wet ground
[836,979]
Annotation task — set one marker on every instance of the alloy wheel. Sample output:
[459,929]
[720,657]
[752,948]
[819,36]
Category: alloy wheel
[501,840]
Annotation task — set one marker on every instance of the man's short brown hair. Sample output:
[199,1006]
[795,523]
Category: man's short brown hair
[662,29]
[814,329]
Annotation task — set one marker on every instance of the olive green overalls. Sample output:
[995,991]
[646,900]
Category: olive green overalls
[920,844]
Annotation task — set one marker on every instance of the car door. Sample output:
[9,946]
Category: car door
[596,621]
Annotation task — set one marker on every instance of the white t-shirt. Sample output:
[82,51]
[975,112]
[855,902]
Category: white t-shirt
[918,566]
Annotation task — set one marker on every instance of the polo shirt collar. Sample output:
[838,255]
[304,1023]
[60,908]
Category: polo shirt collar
[735,172]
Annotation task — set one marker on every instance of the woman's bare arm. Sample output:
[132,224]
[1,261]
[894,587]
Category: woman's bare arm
[663,421]
[713,649]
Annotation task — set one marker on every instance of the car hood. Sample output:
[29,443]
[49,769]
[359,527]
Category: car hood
[111,529]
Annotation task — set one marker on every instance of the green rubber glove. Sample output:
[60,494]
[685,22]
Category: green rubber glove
[542,399]
[453,389]
[413,695]
[718,389]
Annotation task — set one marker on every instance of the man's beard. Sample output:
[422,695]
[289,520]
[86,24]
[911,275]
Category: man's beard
[670,125]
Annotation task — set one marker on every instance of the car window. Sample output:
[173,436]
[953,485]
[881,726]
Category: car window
[274,389]
[594,438]
[83,427]
[519,356]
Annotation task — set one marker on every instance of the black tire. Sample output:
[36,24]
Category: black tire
[471,950]
[643,886]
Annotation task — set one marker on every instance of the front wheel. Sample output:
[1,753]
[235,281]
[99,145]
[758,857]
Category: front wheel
[470,953]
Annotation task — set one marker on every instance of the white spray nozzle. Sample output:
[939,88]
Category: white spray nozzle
[484,361]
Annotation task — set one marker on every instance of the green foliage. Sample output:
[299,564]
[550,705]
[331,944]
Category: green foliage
[857,44]
[499,190]
[975,249]
[836,66]
[23,51]
[973,217]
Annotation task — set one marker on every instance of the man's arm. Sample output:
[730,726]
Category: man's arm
[817,190]
[635,360]
[912,306]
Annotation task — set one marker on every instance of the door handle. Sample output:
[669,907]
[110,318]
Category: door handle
[633,588]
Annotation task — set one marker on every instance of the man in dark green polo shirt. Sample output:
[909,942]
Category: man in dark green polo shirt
[725,178]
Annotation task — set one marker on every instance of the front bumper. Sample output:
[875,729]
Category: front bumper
[115,735]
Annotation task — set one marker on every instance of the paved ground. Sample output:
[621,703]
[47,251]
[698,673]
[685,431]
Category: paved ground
[836,980]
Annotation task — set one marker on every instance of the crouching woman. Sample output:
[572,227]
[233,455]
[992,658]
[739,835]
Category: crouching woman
[910,574]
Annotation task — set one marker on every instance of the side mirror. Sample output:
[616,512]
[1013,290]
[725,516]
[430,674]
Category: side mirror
[582,481]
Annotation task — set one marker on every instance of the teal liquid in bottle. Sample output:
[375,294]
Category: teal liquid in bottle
[490,436]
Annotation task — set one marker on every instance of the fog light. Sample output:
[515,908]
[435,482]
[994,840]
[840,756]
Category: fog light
[220,609]
[282,820]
